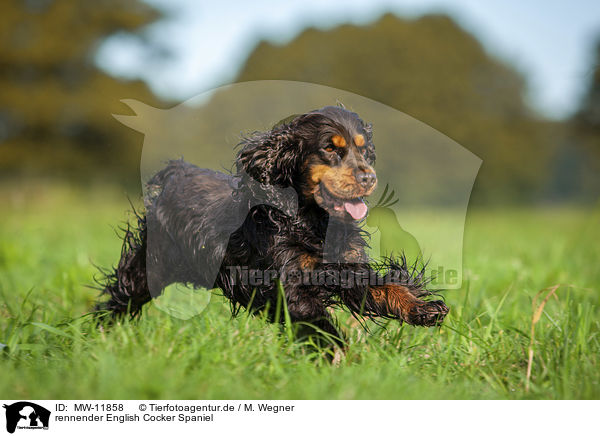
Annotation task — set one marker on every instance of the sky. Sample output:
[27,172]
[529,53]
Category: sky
[551,42]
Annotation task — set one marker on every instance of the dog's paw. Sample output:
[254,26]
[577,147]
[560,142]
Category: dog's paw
[427,313]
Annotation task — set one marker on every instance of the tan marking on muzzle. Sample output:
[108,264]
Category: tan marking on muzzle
[317,172]
[339,181]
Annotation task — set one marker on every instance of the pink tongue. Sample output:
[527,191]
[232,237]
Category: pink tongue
[357,209]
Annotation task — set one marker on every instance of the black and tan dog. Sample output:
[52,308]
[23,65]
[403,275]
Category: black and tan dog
[326,159]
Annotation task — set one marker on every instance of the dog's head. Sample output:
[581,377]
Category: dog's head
[326,155]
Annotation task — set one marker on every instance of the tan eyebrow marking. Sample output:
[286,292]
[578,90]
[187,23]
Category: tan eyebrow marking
[338,141]
[359,140]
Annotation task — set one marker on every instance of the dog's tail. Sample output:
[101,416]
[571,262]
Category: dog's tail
[127,284]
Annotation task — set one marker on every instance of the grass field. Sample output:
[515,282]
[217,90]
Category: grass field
[49,237]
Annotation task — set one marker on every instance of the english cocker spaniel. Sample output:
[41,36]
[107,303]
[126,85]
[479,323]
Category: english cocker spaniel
[288,220]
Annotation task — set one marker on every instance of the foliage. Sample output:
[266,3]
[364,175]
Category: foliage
[584,132]
[55,104]
[435,71]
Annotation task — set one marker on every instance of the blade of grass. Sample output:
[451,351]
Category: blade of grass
[51,329]
[537,314]
[286,314]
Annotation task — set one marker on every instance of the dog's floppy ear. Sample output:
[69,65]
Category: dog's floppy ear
[266,167]
[272,157]
[269,162]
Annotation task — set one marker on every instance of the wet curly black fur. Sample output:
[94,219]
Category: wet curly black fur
[191,231]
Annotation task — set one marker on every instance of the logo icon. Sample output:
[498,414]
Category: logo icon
[26,415]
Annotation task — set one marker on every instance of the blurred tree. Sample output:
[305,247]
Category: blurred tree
[55,104]
[584,132]
[588,116]
[433,70]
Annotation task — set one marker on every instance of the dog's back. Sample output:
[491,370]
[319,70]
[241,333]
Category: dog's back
[184,203]
[193,206]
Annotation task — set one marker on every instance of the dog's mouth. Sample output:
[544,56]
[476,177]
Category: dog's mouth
[342,207]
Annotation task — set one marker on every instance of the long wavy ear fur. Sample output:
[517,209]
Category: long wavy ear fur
[268,157]
[274,157]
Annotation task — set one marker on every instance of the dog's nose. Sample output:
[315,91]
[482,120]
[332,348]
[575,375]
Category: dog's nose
[366,179]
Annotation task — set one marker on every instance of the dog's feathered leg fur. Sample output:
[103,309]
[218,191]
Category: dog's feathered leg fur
[127,284]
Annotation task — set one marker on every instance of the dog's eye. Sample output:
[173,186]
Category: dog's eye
[330,148]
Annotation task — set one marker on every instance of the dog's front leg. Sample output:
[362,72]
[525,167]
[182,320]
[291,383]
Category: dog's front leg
[306,308]
[397,301]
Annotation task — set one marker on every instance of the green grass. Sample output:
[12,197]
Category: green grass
[49,237]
